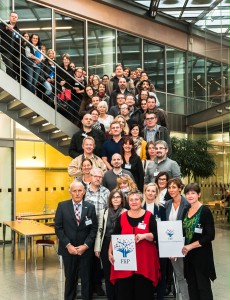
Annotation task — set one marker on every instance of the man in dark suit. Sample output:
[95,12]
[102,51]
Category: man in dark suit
[76,228]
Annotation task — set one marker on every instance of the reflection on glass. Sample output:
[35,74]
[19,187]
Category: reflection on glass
[129,50]
[154,64]
[197,86]
[70,39]
[175,61]
[35,18]
[101,49]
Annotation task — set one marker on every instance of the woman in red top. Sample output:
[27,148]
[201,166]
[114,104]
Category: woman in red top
[136,285]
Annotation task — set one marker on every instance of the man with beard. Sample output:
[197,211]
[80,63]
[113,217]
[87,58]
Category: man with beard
[110,177]
[121,89]
[161,164]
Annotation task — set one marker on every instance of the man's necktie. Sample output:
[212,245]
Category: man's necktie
[77,214]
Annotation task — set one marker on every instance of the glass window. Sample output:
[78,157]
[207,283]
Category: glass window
[176,104]
[154,64]
[70,39]
[129,50]
[197,86]
[175,71]
[214,84]
[34,18]
[101,49]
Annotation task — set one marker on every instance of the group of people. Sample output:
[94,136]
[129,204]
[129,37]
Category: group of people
[129,188]
[124,179]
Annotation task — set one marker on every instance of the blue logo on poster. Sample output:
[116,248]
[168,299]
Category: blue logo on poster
[170,233]
[124,246]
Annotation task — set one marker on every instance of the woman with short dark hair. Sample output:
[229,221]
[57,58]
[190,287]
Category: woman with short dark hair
[199,232]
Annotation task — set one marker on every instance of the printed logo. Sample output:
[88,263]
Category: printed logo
[170,233]
[124,246]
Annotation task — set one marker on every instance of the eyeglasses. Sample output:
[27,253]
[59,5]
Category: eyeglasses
[162,179]
[120,97]
[97,176]
[150,119]
[143,104]
[160,148]
[116,197]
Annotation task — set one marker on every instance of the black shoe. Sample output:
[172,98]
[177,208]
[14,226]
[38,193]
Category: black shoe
[99,291]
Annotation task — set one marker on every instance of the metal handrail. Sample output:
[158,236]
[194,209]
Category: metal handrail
[62,106]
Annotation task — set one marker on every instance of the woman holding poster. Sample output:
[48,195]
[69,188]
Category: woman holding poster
[199,232]
[136,285]
[175,208]
[106,223]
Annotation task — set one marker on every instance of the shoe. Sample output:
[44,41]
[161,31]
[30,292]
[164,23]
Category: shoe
[99,291]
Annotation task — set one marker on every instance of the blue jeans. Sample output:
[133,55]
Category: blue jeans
[48,87]
[32,74]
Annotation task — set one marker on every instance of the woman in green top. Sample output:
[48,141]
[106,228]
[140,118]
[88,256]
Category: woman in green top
[199,231]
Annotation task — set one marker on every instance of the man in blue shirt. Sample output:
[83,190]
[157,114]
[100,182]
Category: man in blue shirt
[112,145]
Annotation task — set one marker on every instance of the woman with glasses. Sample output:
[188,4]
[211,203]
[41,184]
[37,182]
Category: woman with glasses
[96,124]
[161,180]
[106,224]
[136,285]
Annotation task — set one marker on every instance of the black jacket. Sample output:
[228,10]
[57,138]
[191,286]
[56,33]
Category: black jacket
[68,231]
[136,170]
[75,147]
[10,41]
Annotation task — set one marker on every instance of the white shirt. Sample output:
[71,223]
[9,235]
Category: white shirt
[173,213]
[150,207]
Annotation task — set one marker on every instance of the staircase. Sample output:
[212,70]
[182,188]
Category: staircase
[31,112]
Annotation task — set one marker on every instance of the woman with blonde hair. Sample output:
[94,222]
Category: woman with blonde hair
[152,203]
[123,123]
[126,184]
[104,118]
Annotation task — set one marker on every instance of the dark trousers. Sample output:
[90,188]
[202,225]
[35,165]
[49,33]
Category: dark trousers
[199,284]
[162,283]
[97,272]
[110,288]
[75,265]
[12,64]
[135,287]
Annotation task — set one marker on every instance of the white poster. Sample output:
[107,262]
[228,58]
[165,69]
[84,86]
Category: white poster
[124,252]
[170,238]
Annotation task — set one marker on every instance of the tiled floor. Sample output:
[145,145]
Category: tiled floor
[46,282]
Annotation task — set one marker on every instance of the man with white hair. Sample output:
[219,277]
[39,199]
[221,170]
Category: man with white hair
[97,195]
[76,228]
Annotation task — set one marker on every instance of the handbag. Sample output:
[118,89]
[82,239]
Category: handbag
[65,95]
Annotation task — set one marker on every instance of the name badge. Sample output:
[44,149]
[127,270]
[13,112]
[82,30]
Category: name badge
[84,134]
[88,222]
[141,225]
[127,166]
[198,230]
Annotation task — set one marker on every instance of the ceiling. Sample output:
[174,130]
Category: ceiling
[210,15]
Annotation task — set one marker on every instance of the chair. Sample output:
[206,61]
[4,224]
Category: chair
[217,210]
[47,243]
